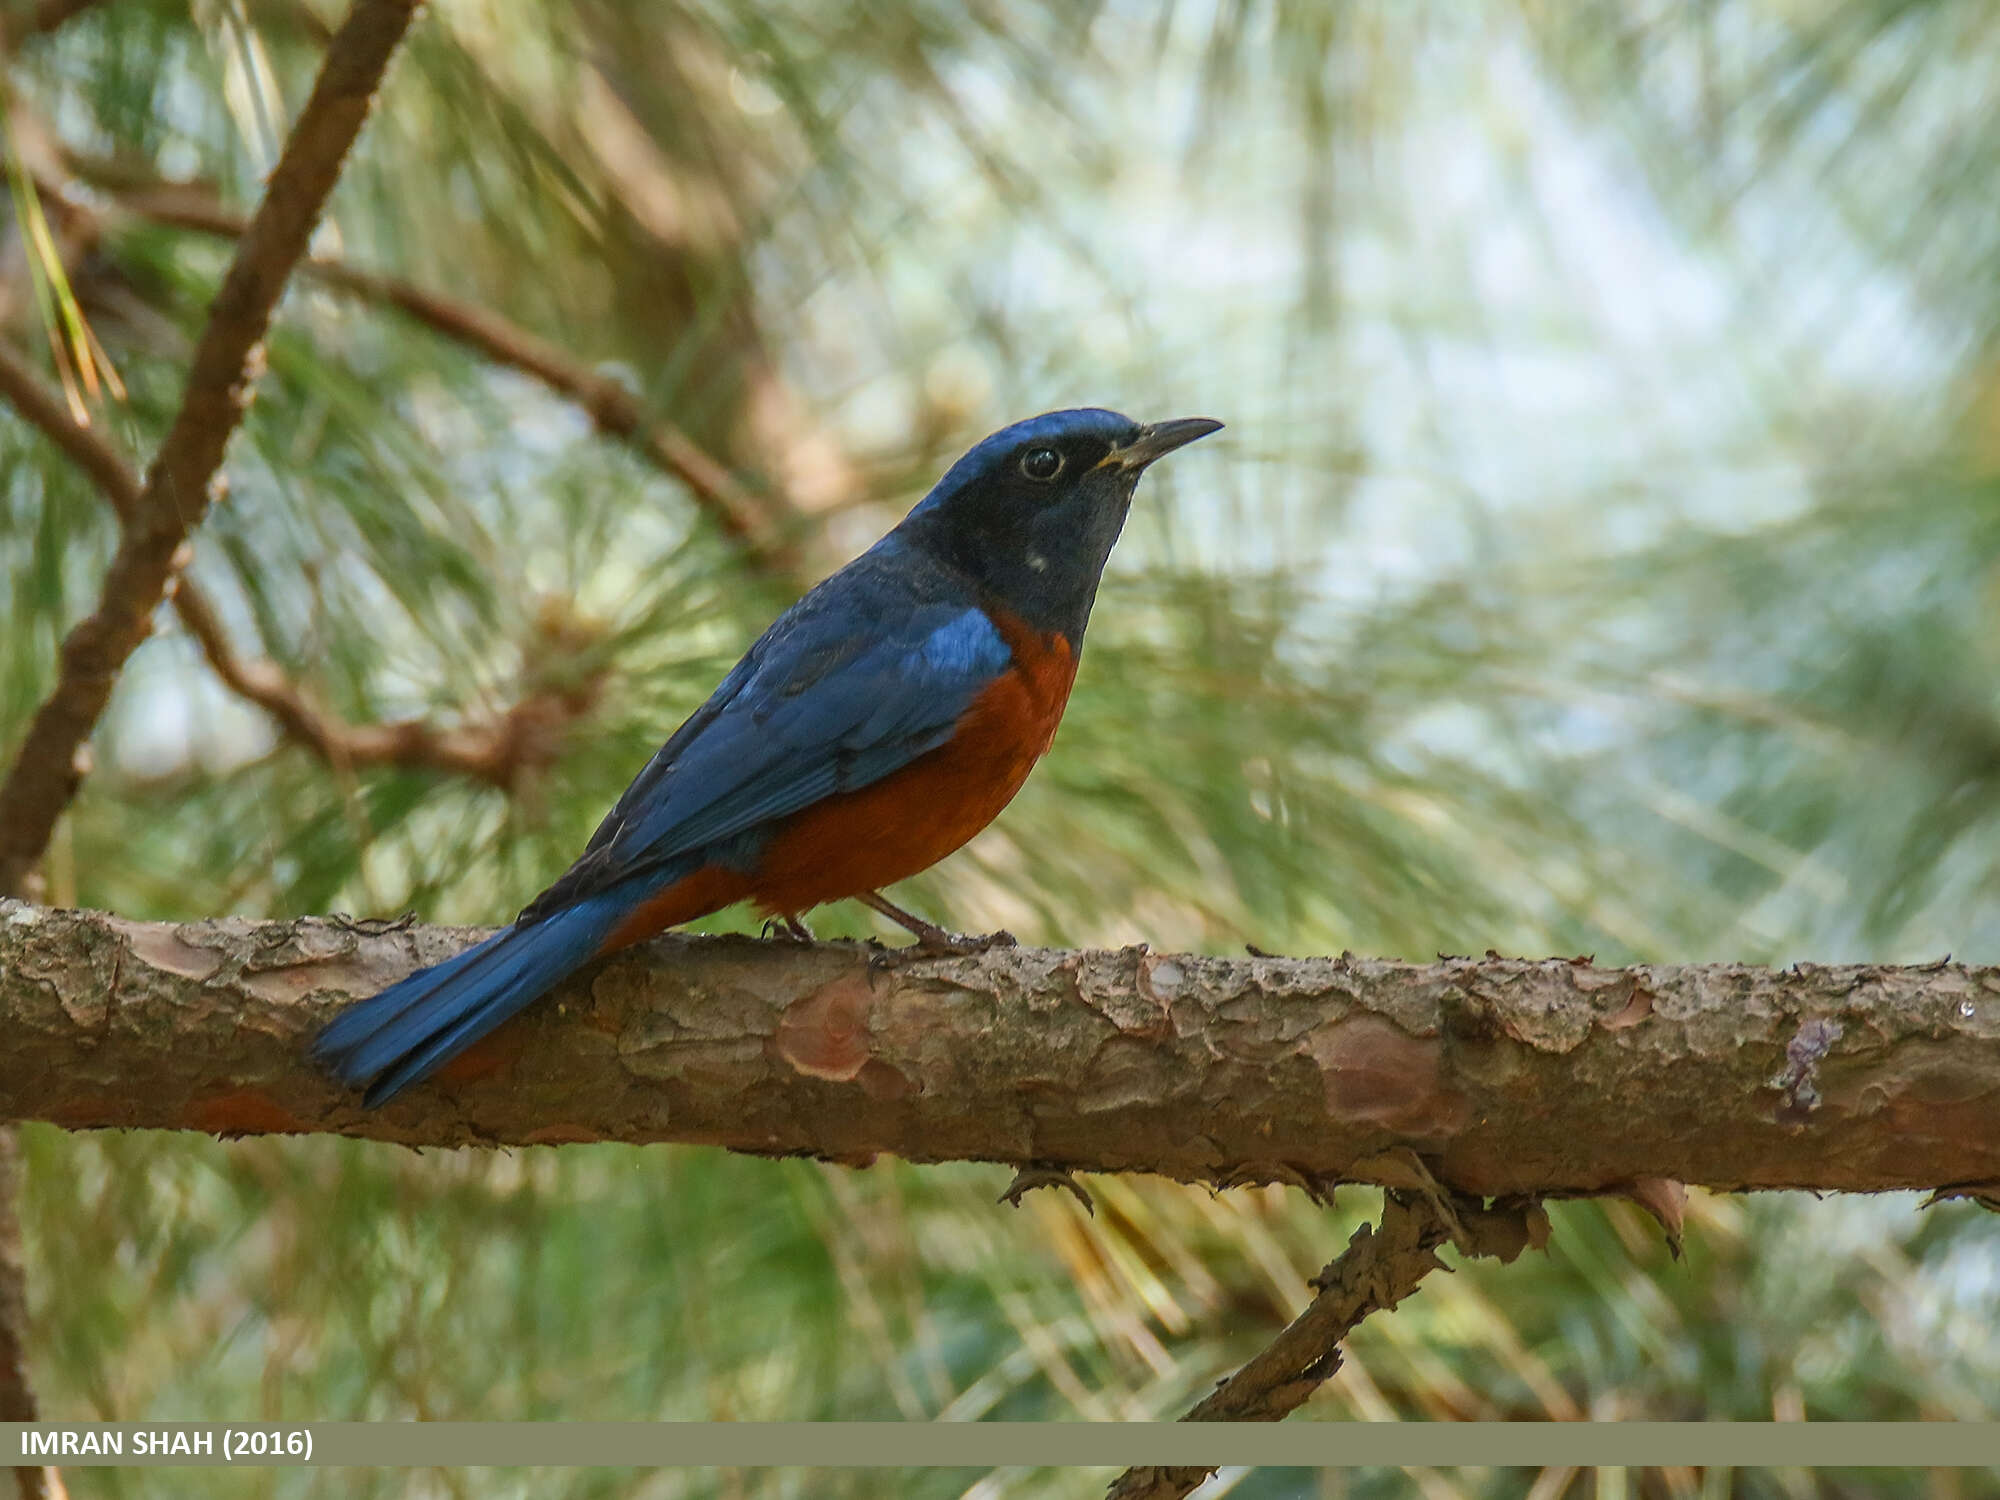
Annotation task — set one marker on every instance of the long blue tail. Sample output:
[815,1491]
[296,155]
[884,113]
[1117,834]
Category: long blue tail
[411,1029]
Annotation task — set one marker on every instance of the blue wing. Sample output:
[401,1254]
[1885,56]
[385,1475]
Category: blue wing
[858,679]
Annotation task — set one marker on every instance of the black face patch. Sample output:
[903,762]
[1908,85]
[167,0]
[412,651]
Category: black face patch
[1028,516]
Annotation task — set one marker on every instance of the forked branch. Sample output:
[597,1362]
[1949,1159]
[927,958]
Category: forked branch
[498,750]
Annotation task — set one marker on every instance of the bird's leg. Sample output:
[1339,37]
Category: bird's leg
[928,933]
[789,925]
[931,937]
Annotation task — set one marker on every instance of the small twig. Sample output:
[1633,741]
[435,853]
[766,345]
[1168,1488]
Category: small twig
[1380,1267]
[177,489]
[28,394]
[496,751]
[759,524]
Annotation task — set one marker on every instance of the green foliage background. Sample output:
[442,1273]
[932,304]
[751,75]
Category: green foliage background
[1602,557]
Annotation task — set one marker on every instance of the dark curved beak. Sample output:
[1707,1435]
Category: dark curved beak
[1160,439]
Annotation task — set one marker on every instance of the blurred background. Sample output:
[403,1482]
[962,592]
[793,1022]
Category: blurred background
[1601,558]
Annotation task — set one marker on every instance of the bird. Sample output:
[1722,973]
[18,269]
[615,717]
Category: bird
[878,725]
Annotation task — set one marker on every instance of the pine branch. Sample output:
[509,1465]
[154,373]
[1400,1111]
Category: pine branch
[497,751]
[177,488]
[762,525]
[1507,1078]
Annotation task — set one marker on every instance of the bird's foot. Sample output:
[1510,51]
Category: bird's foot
[786,926]
[963,944]
[1029,1177]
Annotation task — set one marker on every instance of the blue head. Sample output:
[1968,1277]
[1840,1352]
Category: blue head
[1030,513]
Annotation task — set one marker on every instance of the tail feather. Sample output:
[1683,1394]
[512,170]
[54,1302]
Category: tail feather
[369,1035]
[411,1029]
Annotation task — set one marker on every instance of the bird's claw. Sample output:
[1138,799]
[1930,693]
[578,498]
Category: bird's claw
[787,927]
[938,942]
[1028,1178]
[963,944]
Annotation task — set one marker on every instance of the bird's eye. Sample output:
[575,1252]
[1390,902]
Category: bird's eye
[1041,464]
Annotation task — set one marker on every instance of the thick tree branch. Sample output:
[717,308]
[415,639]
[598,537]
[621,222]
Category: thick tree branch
[498,751]
[176,492]
[762,525]
[1505,1077]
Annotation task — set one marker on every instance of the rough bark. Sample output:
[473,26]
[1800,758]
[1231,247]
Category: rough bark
[1504,1076]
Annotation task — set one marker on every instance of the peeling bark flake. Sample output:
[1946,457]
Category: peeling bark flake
[825,1034]
[163,948]
[1377,1074]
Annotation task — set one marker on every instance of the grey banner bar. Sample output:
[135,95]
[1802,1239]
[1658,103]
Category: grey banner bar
[1006,1444]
